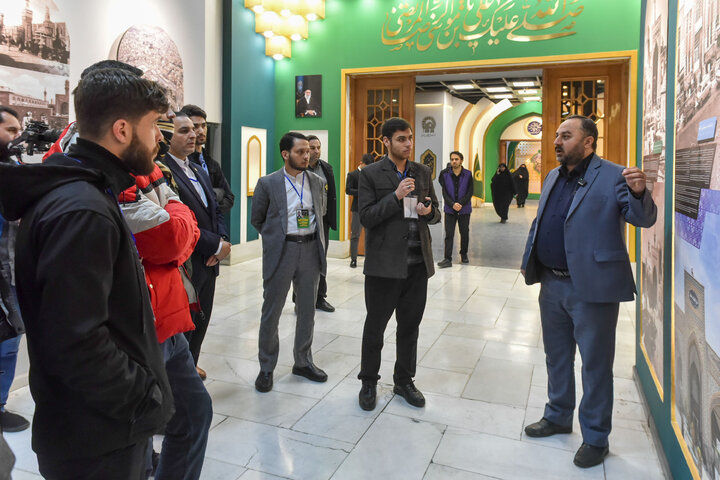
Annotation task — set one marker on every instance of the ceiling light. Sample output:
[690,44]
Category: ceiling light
[531,99]
[296,37]
[462,86]
[504,95]
[530,91]
[497,89]
[277,47]
[523,84]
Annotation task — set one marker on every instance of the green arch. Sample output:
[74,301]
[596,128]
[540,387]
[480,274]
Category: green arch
[492,137]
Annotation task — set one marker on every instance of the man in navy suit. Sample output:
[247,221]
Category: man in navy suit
[576,250]
[197,193]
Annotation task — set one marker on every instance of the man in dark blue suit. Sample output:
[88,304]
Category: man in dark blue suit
[576,250]
[196,192]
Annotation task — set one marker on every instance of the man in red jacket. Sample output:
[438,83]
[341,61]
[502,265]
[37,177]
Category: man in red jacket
[166,232]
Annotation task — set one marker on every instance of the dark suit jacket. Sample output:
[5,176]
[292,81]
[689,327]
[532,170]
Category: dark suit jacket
[595,233]
[211,221]
[330,218]
[223,192]
[269,216]
[386,230]
[351,188]
[303,106]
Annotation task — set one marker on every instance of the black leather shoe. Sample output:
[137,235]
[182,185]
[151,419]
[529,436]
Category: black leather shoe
[589,455]
[444,263]
[264,382]
[411,394]
[368,396]
[464,259]
[311,372]
[353,263]
[12,422]
[545,428]
[324,306]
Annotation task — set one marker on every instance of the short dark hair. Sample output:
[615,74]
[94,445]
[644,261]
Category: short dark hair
[588,127]
[458,154]
[103,64]
[394,124]
[106,95]
[367,159]
[313,137]
[180,114]
[9,111]
[288,140]
[193,111]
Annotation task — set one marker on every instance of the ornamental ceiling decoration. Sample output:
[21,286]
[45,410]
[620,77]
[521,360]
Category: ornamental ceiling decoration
[443,24]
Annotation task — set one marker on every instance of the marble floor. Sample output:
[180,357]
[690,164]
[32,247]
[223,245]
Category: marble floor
[481,367]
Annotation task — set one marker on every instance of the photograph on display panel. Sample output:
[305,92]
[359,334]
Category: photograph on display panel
[34,70]
[652,239]
[696,263]
[33,36]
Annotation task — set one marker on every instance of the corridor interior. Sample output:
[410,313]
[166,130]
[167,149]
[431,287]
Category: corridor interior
[480,364]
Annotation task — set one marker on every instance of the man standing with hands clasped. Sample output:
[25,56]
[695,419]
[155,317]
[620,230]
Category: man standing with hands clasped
[457,190]
[576,250]
[397,202]
[288,209]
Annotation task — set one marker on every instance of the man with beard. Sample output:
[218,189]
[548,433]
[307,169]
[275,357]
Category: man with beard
[288,209]
[197,193]
[9,421]
[324,170]
[201,156]
[397,203]
[96,369]
[457,189]
[576,250]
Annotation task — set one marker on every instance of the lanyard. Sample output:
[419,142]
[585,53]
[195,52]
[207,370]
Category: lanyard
[401,176]
[302,188]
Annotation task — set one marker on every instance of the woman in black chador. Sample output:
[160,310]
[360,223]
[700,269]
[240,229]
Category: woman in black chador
[503,190]
[522,180]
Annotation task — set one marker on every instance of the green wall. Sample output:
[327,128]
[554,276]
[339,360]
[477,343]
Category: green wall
[350,37]
[248,100]
[491,152]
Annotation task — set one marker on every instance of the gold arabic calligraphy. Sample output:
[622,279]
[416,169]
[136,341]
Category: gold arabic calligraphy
[447,23]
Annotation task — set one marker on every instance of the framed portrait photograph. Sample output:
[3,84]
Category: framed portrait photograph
[308,96]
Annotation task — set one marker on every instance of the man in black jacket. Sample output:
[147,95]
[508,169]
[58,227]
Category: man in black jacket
[201,157]
[351,188]
[324,170]
[96,369]
[397,203]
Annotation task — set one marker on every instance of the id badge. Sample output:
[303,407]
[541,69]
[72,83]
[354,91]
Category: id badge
[409,204]
[303,217]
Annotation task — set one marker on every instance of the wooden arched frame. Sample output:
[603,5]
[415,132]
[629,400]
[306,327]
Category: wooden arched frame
[254,163]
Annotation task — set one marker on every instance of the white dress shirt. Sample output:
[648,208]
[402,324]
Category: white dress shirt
[185,166]
[293,202]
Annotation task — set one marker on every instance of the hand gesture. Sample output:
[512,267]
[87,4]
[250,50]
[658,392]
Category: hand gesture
[457,207]
[406,186]
[421,209]
[635,179]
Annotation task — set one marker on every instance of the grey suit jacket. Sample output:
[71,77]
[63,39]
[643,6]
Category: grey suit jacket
[269,217]
[595,233]
[386,230]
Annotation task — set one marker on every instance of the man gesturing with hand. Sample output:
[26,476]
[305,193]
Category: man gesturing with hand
[576,250]
[397,203]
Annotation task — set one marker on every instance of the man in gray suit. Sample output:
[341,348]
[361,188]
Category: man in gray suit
[576,250]
[288,208]
[397,202]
